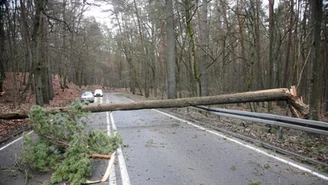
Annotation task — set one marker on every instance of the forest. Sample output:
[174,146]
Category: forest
[167,48]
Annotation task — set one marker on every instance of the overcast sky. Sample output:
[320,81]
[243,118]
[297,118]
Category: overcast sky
[98,11]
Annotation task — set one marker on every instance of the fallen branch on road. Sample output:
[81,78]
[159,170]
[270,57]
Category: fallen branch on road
[63,146]
[107,173]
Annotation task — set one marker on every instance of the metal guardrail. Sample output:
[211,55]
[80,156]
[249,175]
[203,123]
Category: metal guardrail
[318,127]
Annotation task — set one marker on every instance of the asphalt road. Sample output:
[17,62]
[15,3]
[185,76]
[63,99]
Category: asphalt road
[161,149]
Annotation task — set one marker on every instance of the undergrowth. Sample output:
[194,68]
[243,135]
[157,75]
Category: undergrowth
[62,146]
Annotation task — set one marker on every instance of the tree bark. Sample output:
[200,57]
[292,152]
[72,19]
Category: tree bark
[171,78]
[2,45]
[271,39]
[243,61]
[286,79]
[253,96]
[316,81]
[38,43]
[259,80]
[204,36]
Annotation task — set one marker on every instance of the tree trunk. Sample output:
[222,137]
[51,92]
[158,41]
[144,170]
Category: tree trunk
[271,39]
[253,96]
[171,65]
[242,48]
[38,48]
[204,37]
[325,59]
[194,80]
[316,81]
[259,80]
[289,43]
[2,44]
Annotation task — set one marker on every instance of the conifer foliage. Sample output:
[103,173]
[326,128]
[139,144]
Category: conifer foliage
[63,146]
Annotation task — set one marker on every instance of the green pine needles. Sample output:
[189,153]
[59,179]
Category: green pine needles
[62,145]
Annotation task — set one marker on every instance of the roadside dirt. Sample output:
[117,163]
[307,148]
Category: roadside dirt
[14,98]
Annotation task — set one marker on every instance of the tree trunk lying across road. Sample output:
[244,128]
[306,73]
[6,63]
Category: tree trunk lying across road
[252,96]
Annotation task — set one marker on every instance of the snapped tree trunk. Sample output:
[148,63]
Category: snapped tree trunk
[253,96]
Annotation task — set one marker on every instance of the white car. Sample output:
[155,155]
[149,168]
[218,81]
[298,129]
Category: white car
[87,96]
[98,92]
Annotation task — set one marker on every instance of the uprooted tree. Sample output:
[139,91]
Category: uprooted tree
[298,108]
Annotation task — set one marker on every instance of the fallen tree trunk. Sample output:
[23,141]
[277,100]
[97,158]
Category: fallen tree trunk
[253,96]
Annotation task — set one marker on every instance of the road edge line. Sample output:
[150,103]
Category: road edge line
[7,145]
[248,146]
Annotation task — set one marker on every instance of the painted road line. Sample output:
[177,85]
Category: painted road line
[121,160]
[112,175]
[108,124]
[249,146]
[7,145]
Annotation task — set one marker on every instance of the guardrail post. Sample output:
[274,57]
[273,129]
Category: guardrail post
[280,133]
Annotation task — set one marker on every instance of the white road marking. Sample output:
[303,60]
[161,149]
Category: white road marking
[249,146]
[122,165]
[108,124]
[112,176]
[121,160]
[7,145]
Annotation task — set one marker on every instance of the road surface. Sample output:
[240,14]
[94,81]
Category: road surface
[159,148]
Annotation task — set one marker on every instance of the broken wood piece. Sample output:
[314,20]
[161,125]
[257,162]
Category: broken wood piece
[100,156]
[92,182]
[295,112]
[109,167]
[107,173]
[298,108]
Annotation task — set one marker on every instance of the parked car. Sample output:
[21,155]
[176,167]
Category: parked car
[98,92]
[87,96]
